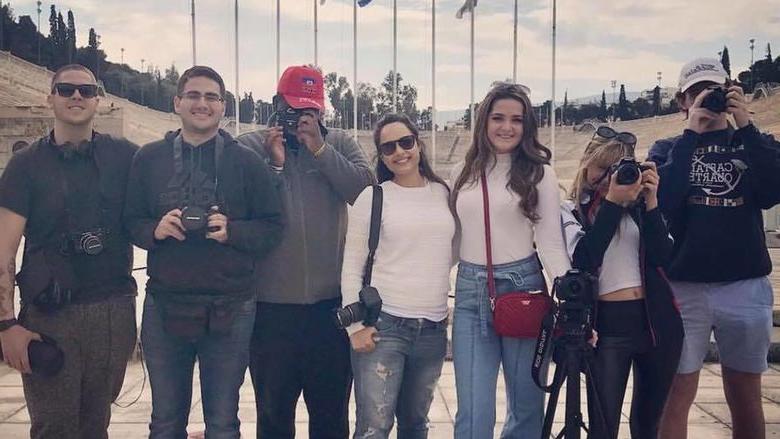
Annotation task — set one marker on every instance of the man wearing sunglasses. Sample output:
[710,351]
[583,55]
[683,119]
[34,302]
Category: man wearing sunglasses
[296,347]
[65,194]
[715,179]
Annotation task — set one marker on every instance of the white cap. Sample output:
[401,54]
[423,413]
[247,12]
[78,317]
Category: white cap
[700,70]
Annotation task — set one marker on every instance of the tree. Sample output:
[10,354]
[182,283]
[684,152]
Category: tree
[467,116]
[768,52]
[622,108]
[406,100]
[172,74]
[62,40]
[603,114]
[54,50]
[366,97]
[263,111]
[426,119]
[336,88]
[724,59]
[93,48]
[565,107]
[247,108]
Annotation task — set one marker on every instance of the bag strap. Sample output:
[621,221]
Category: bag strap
[488,247]
[489,250]
[373,234]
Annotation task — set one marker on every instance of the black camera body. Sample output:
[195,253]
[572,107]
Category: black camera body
[577,286]
[195,218]
[716,101]
[628,170]
[90,242]
[366,309]
[288,119]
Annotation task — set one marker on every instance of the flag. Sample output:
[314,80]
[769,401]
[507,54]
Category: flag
[362,3]
[468,6]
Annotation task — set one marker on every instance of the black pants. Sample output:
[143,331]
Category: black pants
[625,342]
[298,348]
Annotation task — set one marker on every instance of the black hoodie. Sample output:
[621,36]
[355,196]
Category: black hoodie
[244,193]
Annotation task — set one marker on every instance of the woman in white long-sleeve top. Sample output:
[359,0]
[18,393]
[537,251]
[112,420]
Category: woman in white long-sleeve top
[397,362]
[524,211]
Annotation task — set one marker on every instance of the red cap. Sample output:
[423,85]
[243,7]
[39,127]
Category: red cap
[302,87]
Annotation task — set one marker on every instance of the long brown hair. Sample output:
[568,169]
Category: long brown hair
[528,158]
[383,173]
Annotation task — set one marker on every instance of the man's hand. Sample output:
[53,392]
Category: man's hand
[308,131]
[364,340]
[170,226]
[15,341]
[736,105]
[699,118]
[217,226]
[274,145]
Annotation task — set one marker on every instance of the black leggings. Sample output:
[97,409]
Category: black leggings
[624,341]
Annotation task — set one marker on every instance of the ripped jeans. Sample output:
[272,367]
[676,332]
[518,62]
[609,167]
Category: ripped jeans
[397,379]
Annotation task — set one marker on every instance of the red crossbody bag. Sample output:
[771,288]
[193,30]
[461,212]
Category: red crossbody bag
[516,314]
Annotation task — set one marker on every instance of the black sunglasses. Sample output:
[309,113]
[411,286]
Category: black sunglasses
[405,142]
[66,90]
[626,138]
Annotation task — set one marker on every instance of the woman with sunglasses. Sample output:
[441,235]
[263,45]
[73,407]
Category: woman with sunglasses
[615,231]
[507,160]
[397,362]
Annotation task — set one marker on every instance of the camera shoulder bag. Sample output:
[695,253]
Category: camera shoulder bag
[373,234]
[516,314]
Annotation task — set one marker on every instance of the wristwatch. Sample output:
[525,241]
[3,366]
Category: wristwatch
[5,324]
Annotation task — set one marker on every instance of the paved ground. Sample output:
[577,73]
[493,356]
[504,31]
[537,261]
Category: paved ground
[709,418]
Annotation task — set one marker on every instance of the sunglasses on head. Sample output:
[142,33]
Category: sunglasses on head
[405,142]
[66,90]
[626,138]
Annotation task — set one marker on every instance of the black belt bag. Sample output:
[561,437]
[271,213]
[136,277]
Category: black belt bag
[191,319]
[47,280]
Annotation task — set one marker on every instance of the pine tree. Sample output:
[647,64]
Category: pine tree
[565,108]
[603,106]
[657,100]
[724,59]
[71,37]
[622,103]
[52,40]
[768,52]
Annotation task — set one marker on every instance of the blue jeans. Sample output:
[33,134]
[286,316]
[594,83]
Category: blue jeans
[478,351]
[398,378]
[222,360]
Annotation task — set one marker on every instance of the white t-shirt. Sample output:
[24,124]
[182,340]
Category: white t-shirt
[414,256]
[513,234]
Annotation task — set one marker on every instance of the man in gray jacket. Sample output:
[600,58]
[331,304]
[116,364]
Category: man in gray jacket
[296,346]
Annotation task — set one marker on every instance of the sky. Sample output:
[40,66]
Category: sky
[597,40]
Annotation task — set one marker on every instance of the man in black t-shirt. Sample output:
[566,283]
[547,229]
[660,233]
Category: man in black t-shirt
[65,193]
[715,180]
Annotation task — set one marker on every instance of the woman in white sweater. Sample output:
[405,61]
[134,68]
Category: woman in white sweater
[524,212]
[397,362]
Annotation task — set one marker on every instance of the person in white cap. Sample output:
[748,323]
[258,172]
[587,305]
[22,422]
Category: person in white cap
[715,179]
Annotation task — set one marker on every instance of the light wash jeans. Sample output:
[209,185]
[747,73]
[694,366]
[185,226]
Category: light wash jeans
[398,378]
[478,351]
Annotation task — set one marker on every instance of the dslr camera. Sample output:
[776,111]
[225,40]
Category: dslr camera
[195,218]
[628,170]
[716,101]
[366,309]
[91,242]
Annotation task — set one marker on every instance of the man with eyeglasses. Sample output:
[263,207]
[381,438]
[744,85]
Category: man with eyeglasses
[65,193]
[296,346]
[715,179]
[205,208]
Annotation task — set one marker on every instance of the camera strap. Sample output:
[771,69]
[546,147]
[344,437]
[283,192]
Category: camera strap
[178,164]
[373,234]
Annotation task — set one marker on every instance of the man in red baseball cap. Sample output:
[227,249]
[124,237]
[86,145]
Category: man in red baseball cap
[296,347]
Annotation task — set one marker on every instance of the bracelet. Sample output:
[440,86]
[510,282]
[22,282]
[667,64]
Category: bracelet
[319,151]
[276,169]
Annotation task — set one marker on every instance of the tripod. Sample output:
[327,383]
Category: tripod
[572,355]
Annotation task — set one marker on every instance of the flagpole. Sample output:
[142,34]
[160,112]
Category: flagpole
[316,63]
[192,12]
[238,118]
[354,70]
[514,52]
[552,102]
[395,56]
[471,94]
[433,82]
[278,42]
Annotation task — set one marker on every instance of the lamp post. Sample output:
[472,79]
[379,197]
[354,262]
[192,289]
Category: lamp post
[752,45]
[613,83]
[38,33]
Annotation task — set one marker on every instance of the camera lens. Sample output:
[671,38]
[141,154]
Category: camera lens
[354,312]
[627,173]
[193,218]
[91,243]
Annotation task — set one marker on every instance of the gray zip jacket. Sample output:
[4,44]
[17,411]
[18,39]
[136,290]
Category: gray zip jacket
[306,267]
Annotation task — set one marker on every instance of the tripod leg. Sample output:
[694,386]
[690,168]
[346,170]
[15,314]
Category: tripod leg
[549,415]
[590,379]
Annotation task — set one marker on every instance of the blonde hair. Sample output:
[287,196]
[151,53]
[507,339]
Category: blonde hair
[600,152]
